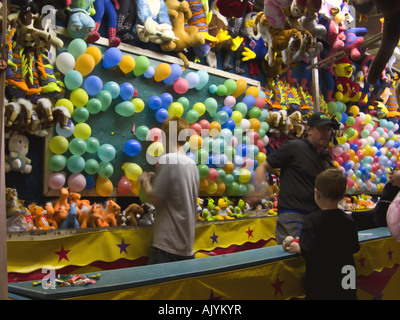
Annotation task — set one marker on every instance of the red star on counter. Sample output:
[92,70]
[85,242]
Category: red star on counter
[249,233]
[278,286]
[62,254]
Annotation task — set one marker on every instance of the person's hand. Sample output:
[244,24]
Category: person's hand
[145,176]
[294,247]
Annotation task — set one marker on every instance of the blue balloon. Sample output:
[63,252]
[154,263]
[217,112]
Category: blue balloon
[346,165]
[149,73]
[132,147]
[211,161]
[127,91]
[166,99]
[249,101]
[354,147]
[155,102]
[162,115]
[227,110]
[93,85]
[112,57]
[176,72]
[242,150]
[90,182]
[229,124]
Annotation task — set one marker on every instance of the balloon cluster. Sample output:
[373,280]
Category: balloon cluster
[367,150]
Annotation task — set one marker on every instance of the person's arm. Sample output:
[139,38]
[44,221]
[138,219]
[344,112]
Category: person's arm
[261,170]
[144,180]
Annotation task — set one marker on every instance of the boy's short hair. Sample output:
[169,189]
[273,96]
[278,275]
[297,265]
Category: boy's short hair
[332,184]
[181,129]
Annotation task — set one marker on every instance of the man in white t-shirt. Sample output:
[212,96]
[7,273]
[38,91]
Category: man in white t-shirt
[173,192]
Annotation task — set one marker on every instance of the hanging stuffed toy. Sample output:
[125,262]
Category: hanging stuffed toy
[153,22]
[105,7]
[126,17]
[16,160]
[80,22]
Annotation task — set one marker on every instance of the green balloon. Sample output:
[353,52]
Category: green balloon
[211,106]
[350,121]
[231,86]
[75,164]
[77,47]
[77,146]
[105,169]
[233,189]
[203,170]
[142,133]
[184,102]
[242,108]
[332,107]
[94,106]
[143,196]
[201,156]
[92,144]
[105,98]
[230,152]
[80,114]
[141,66]
[57,162]
[255,112]
[73,80]
[192,116]
[125,108]
[228,179]
[221,90]
[221,174]
[264,126]
[242,190]
[91,166]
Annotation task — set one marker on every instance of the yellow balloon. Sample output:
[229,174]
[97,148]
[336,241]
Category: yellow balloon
[212,187]
[95,53]
[260,157]
[155,149]
[236,116]
[367,119]
[253,91]
[132,170]
[104,186]
[200,108]
[354,110]
[82,130]
[341,140]
[203,184]
[65,103]
[85,64]
[162,72]
[139,104]
[245,174]
[241,87]
[58,144]
[127,64]
[79,97]
[175,109]
[255,124]
[195,142]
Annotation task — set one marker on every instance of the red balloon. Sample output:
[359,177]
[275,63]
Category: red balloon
[345,156]
[350,183]
[196,127]
[124,185]
[181,86]
[212,175]
[339,160]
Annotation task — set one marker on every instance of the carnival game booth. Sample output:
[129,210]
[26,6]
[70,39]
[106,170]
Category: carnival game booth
[92,109]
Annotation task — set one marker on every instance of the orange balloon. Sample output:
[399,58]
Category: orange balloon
[228,168]
[241,87]
[215,128]
[221,187]
[162,72]
[255,124]
[127,64]
[195,142]
[135,187]
[203,184]
[253,91]
[95,53]
[85,64]
[104,186]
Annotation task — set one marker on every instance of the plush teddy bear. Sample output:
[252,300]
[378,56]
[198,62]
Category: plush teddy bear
[16,160]
[132,214]
[346,89]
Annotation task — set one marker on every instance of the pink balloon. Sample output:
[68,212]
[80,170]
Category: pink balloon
[181,86]
[212,175]
[350,183]
[205,125]
[253,136]
[248,163]
[56,180]
[76,182]
[124,185]
[196,127]
[230,101]
[155,134]
[260,102]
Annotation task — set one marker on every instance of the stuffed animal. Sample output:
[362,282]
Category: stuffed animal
[126,17]
[110,213]
[132,214]
[80,22]
[95,218]
[50,215]
[62,201]
[16,160]
[208,212]
[234,8]
[153,22]
[84,214]
[346,89]
[188,37]
[222,210]
[147,218]
[71,221]
[287,242]
[14,206]
[105,7]
[41,221]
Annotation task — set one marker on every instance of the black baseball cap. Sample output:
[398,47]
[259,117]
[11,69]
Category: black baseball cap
[320,119]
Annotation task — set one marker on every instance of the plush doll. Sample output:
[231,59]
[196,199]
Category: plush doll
[14,206]
[147,218]
[41,221]
[346,89]
[153,22]
[84,215]
[132,214]
[16,160]
[105,7]
[187,37]
[287,242]
[110,213]
[71,221]
[236,31]
[390,37]
[274,14]
[277,39]
[95,218]
[62,201]
[309,22]
[222,210]
[126,17]
[50,215]
[208,212]
[353,41]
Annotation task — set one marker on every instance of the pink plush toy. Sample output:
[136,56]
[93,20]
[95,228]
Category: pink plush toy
[273,12]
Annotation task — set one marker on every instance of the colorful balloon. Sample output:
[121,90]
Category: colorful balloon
[104,186]
[85,64]
[162,72]
[76,182]
[93,85]
[112,57]
[56,180]
[132,147]
[142,64]
[127,64]
[95,53]
[58,144]
[77,47]
[124,185]
[65,62]
[181,86]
